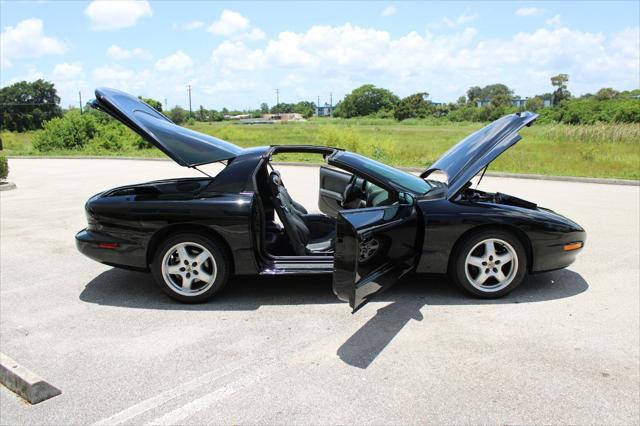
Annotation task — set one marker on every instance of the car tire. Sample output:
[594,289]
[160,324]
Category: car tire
[489,264]
[190,268]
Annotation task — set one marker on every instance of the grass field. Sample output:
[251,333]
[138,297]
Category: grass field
[603,150]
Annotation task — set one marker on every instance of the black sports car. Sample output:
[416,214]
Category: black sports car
[378,222]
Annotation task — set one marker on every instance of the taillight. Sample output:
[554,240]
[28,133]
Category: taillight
[108,245]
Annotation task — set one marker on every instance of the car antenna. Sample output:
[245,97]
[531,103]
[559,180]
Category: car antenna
[204,173]
[482,175]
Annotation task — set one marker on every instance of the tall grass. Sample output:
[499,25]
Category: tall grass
[600,150]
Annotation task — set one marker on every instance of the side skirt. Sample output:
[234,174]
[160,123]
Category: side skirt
[300,265]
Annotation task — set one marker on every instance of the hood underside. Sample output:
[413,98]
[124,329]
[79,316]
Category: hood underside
[186,147]
[465,159]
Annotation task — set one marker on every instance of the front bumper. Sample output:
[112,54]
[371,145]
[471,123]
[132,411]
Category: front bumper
[550,255]
[111,251]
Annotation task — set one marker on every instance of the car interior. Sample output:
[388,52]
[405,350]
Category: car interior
[290,230]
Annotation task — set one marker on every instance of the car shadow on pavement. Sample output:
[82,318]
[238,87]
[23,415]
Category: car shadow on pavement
[122,288]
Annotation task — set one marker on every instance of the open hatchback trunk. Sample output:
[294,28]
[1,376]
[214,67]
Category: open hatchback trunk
[186,147]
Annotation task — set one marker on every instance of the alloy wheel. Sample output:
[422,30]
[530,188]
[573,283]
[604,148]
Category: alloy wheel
[368,249]
[189,268]
[491,265]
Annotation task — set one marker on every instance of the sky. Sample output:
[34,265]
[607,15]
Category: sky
[236,54]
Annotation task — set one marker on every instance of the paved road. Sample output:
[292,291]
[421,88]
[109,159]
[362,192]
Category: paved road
[563,348]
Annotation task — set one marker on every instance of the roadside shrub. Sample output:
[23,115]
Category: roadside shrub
[346,138]
[4,167]
[72,131]
[591,111]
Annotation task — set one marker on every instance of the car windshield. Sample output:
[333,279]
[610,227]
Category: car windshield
[385,173]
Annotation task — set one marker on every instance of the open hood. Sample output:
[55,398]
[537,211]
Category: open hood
[465,159]
[186,147]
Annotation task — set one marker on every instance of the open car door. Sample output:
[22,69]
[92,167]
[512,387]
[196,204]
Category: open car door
[332,185]
[375,247]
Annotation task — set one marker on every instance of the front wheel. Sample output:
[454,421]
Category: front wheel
[489,264]
[190,268]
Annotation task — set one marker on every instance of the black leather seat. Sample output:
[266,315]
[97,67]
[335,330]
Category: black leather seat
[299,207]
[309,234]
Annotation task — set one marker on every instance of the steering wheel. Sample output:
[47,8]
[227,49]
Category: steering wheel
[352,194]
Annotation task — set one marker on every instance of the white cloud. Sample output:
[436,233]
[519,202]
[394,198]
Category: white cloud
[461,20]
[235,56]
[388,11]
[178,62]
[529,11]
[255,34]
[233,25]
[343,57]
[109,15]
[32,74]
[229,23]
[67,71]
[323,59]
[190,26]
[118,53]
[555,21]
[27,40]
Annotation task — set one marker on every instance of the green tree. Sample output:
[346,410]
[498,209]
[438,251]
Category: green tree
[178,114]
[497,90]
[474,94]
[306,108]
[366,100]
[157,105]
[264,108]
[413,106]
[560,83]
[282,108]
[606,93]
[534,104]
[26,106]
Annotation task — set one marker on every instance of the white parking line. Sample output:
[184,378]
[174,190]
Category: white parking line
[187,410]
[151,403]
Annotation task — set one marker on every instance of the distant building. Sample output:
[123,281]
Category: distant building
[236,117]
[546,103]
[518,102]
[325,111]
[283,117]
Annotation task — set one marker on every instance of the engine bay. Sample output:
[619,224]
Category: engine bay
[474,195]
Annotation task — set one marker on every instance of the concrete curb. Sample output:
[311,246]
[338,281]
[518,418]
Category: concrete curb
[7,186]
[605,181]
[25,383]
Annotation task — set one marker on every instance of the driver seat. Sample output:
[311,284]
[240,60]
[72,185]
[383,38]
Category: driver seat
[309,234]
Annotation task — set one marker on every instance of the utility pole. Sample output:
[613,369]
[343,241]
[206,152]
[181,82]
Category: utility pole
[331,104]
[80,100]
[277,97]
[318,107]
[190,113]
[165,104]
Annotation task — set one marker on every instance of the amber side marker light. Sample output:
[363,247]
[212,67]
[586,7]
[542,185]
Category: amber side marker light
[572,246]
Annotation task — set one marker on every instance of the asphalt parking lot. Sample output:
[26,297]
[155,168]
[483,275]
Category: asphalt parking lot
[563,348]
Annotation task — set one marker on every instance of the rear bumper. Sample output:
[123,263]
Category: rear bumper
[550,255]
[110,250]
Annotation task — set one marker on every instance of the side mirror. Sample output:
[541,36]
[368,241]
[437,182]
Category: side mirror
[406,199]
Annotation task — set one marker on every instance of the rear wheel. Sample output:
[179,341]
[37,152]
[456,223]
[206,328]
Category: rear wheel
[489,263]
[190,268]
